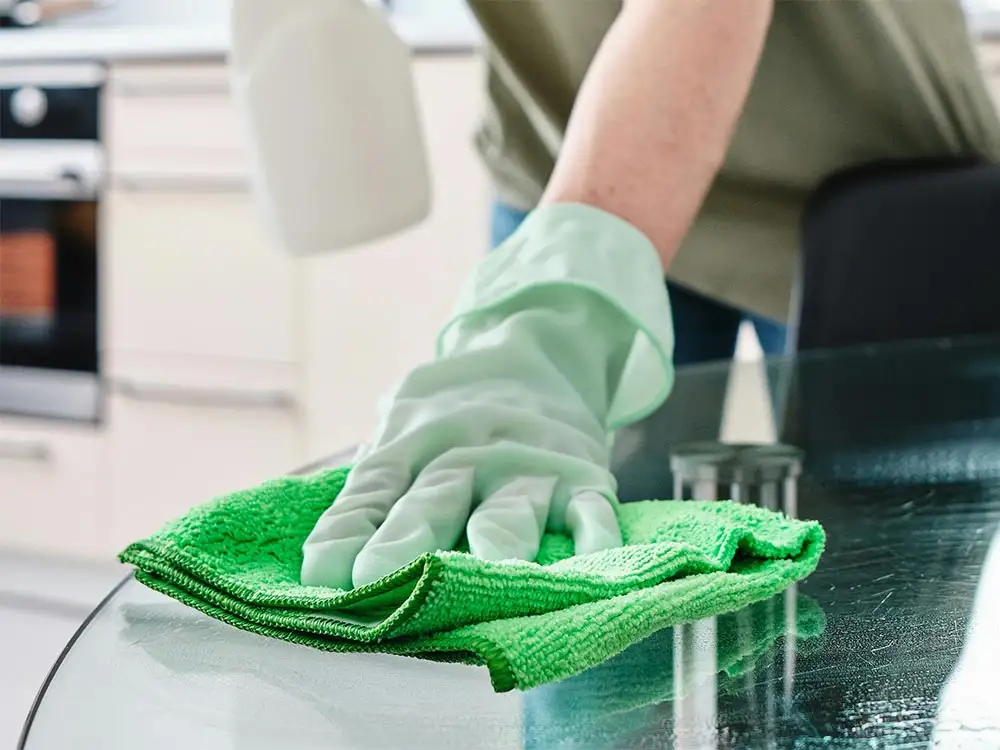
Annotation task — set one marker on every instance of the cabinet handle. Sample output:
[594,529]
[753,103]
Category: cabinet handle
[187,396]
[31,451]
[182,184]
[170,88]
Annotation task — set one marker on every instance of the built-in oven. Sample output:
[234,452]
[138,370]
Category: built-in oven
[52,168]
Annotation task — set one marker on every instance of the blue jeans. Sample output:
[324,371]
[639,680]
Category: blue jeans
[704,330]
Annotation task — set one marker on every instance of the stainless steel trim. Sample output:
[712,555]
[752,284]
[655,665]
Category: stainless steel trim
[51,169]
[50,393]
[65,187]
[82,75]
[34,451]
[182,183]
[193,396]
[732,464]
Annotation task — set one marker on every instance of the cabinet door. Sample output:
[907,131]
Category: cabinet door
[173,118]
[53,489]
[373,313]
[190,272]
[173,448]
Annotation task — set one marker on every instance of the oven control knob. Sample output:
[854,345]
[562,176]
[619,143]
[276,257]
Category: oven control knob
[26,13]
[28,105]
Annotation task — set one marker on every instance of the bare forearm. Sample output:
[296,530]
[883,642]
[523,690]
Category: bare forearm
[653,120]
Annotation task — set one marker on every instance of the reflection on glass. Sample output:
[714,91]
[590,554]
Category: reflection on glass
[762,475]
[696,687]
[666,690]
[229,688]
[969,706]
[669,687]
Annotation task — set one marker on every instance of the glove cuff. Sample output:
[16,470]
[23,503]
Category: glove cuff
[580,246]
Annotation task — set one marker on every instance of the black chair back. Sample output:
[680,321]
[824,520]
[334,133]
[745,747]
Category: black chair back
[900,251]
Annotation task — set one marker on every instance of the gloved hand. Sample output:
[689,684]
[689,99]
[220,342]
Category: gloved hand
[562,336]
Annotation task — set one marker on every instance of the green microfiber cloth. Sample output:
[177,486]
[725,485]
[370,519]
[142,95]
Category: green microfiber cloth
[237,559]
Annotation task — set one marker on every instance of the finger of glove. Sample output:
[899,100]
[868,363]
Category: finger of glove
[330,550]
[428,518]
[591,519]
[508,525]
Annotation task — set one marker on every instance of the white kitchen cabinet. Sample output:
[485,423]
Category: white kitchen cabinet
[228,363]
[190,273]
[53,488]
[173,119]
[372,313]
[170,449]
[192,278]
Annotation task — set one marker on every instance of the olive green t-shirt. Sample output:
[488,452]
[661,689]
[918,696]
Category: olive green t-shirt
[840,83]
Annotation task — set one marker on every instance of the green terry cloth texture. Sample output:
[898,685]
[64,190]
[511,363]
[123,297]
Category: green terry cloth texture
[237,559]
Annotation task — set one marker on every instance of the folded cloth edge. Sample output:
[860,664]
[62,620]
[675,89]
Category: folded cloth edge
[410,586]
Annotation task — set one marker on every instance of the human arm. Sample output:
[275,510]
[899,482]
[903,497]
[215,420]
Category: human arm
[653,119]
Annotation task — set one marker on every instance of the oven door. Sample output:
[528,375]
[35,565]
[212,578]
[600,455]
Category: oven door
[49,243]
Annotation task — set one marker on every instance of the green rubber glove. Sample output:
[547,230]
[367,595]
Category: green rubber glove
[562,336]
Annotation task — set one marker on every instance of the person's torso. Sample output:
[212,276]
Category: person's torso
[840,83]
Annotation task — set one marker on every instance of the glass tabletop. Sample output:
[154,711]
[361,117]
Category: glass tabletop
[892,643]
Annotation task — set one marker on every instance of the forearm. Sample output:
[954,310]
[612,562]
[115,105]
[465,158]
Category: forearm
[654,117]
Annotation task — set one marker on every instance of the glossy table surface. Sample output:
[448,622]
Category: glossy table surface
[894,642]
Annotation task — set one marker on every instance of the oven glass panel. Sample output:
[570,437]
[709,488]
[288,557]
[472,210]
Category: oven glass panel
[48,284]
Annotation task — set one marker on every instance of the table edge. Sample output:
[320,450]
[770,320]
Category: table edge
[57,665]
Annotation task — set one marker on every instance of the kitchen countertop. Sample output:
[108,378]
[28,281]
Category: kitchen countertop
[160,42]
[170,42]
[72,44]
